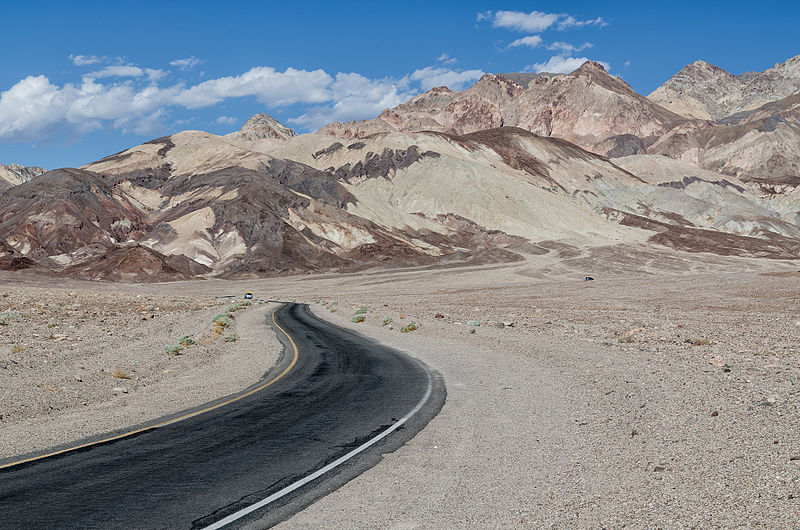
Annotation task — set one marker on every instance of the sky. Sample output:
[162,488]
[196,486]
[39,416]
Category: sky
[81,80]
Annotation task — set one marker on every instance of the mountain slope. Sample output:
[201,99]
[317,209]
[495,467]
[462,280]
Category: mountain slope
[704,91]
[585,107]
[14,175]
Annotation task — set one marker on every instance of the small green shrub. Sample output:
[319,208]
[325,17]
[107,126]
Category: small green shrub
[173,349]
[360,311]
[334,303]
[411,326]
[358,318]
[230,337]
[222,320]
[186,340]
[8,316]
[387,321]
[240,305]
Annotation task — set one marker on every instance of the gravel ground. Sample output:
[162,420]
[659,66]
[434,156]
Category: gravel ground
[77,363]
[662,394]
[666,400]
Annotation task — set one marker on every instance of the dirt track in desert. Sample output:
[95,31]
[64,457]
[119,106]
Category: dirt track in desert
[663,393]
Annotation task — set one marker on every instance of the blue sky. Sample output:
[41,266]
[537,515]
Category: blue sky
[87,79]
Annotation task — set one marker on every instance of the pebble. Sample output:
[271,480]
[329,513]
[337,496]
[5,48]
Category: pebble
[119,389]
[473,323]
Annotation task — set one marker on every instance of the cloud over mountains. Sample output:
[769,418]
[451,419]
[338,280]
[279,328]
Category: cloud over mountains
[133,98]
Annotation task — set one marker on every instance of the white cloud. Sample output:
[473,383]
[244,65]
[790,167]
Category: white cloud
[131,98]
[356,97]
[154,74]
[187,63]
[560,64]
[534,21]
[446,59]
[532,41]
[84,60]
[226,120]
[566,48]
[537,21]
[432,76]
[627,63]
[266,84]
[569,21]
[117,71]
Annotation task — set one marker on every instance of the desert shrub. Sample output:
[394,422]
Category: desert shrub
[358,318]
[411,326]
[173,349]
[626,339]
[186,340]
[222,321]
[387,321]
[17,348]
[334,303]
[240,305]
[119,373]
[360,311]
[8,316]
[332,309]
[231,337]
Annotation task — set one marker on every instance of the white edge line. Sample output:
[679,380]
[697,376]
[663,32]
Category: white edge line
[313,476]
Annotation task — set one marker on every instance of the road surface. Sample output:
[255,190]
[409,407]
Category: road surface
[334,403]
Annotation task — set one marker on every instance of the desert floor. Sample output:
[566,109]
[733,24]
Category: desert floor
[663,393]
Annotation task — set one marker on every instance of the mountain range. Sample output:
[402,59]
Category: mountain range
[516,165]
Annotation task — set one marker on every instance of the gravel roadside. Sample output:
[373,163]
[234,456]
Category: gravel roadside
[619,402]
[81,365]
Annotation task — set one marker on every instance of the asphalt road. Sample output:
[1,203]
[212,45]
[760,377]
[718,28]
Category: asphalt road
[341,392]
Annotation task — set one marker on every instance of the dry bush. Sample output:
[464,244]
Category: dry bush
[119,373]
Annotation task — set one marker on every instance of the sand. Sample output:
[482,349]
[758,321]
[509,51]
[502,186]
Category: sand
[662,394]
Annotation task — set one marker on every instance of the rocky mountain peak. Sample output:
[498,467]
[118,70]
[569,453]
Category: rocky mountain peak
[440,90]
[705,91]
[700,90]
[15,174]
[263,126]
[591,66]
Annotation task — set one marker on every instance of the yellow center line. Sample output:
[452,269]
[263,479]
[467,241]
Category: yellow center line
[173,420]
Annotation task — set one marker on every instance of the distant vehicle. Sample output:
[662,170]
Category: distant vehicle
[248,295]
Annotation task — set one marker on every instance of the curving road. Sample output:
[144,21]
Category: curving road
[334,403]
